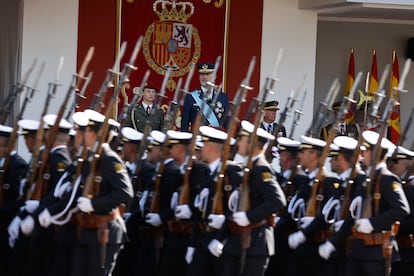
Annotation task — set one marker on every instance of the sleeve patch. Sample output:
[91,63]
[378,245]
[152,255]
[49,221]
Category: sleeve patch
[266,176]
[396,186]
[118,168]
[61,167]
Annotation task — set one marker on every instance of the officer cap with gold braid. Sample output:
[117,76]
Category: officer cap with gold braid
[130,135]
[311,143]
[333,150]
[205,68]
[80,121]
[179,137]
[271,105]
[28,127]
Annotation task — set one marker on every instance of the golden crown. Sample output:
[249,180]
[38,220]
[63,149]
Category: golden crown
[173,10]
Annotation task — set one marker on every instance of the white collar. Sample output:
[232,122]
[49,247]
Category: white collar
[214,165]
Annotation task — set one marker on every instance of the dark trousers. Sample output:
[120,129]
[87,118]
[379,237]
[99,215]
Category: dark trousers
[204,263]
[136,259]
[357,267]
[42,252]
[62,265]
[253,266]
[87,259]
[20,255]
[173,262]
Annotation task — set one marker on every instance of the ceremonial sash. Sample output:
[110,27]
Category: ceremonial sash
[212,119]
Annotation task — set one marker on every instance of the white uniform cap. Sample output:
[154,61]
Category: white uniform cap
[311,143]
[286,144]
[345,143]
[5,131]
[211,134]
[130,135]
[64,125]
[28,126]
[179,137]
[371,139]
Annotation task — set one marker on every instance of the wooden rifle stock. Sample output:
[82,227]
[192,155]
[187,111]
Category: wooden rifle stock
[239,98]
[90,190]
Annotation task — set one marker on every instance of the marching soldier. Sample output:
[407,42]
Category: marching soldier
[352,179]
[289,178]
[10,190]
[312,230]
[206,259]
[42,244]
[193,101]
[176,253]
[372,234]
[266,199]
[401,164]
[101,227]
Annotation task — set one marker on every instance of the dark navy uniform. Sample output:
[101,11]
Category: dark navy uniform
[191,108]
[115,189]
[266,199]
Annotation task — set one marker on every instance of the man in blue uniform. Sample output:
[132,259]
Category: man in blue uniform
[194,100]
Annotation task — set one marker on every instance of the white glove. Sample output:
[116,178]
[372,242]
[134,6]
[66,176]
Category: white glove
[216,221]
[14,227]
[189,254]
[215,247]
[153,219]
[337,225]
[277,219]
[85,204]
[174,200]
[305,221]
[296,239]
[183,212]
[65,187]
[364,226]
[325,250]
[31,205]
[142,201]
[27,225]
[233,201]
[241,218]
[201,199]
[355,207]
[45,218]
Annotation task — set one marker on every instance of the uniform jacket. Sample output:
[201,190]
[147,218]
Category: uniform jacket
[115,189]
[266,199]
[190,110]
[282,130]
[139,117]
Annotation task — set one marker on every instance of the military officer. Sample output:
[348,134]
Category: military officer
[268,123]
[193,101]
[146,110]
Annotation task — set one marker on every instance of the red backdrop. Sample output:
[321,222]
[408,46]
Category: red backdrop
[97,27]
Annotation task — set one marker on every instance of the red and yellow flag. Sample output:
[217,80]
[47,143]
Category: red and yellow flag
[349,82]
[373,81]
[394,127]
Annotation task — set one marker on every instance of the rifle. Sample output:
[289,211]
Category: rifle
[89,187]
[239,98]
[314,202]
[129,107]
[376,152]
[13,136]
[289,105]
[32,173]
[41,182]
[97,100]
[244,202]
[323,108]
[296,117]
[11,98]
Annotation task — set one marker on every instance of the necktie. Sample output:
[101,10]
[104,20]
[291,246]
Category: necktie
[148,110]
[269,128]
